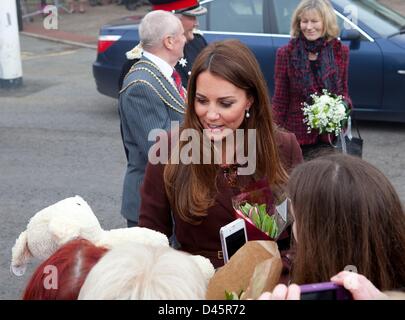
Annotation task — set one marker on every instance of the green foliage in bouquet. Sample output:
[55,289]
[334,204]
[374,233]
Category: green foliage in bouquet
[233,295]
[258,215]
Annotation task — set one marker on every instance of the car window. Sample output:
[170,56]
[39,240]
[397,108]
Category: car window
[233,16]
[374,14]
[283,13]
[345,25]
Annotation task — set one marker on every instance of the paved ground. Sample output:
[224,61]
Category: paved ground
[58,138]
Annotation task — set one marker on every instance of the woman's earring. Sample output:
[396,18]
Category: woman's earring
[247,114]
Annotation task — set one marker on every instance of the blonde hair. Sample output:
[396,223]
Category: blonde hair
[140,272]
[326,12]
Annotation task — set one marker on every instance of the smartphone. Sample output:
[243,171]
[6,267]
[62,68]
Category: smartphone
[324,291]
[233,236]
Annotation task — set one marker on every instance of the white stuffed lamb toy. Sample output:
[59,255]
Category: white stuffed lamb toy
[72,218]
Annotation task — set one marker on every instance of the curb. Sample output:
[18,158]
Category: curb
[78,44]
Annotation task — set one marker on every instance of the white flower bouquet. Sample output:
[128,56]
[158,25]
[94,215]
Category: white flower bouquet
[328,113]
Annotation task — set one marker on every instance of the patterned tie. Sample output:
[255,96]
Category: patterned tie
[177,80]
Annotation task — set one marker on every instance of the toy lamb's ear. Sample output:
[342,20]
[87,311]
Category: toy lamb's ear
[205,266]
[63,229]
[20,254]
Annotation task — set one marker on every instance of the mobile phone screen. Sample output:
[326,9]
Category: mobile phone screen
[324,291]
[234,242]
[320,295]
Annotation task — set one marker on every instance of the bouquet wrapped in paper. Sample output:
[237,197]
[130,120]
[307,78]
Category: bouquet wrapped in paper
[254,268]
[263,218]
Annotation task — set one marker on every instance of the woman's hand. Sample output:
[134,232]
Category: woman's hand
[282,292]
[359,286]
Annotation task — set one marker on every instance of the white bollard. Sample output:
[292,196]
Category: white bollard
[10,57]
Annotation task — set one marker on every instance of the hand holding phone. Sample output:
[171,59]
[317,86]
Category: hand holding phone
[233,236]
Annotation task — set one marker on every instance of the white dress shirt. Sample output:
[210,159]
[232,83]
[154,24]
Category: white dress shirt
[166,68]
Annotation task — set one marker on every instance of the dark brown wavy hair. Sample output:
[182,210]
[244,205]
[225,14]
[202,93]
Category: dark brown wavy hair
[191,188]
[347,213]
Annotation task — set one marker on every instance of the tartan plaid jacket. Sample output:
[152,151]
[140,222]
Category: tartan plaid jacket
[288,95]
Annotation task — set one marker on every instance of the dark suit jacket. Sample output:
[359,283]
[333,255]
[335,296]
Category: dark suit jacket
[191,51]
[147,101]
[204,238]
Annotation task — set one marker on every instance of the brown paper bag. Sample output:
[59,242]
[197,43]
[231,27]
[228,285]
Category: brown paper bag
[237,274]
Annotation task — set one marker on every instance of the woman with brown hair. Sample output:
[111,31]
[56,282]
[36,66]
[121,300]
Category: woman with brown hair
[227,95]
[347,213]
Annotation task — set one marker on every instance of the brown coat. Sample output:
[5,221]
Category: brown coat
[204,238]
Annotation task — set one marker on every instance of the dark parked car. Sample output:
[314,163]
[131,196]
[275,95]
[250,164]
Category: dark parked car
[374,33]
